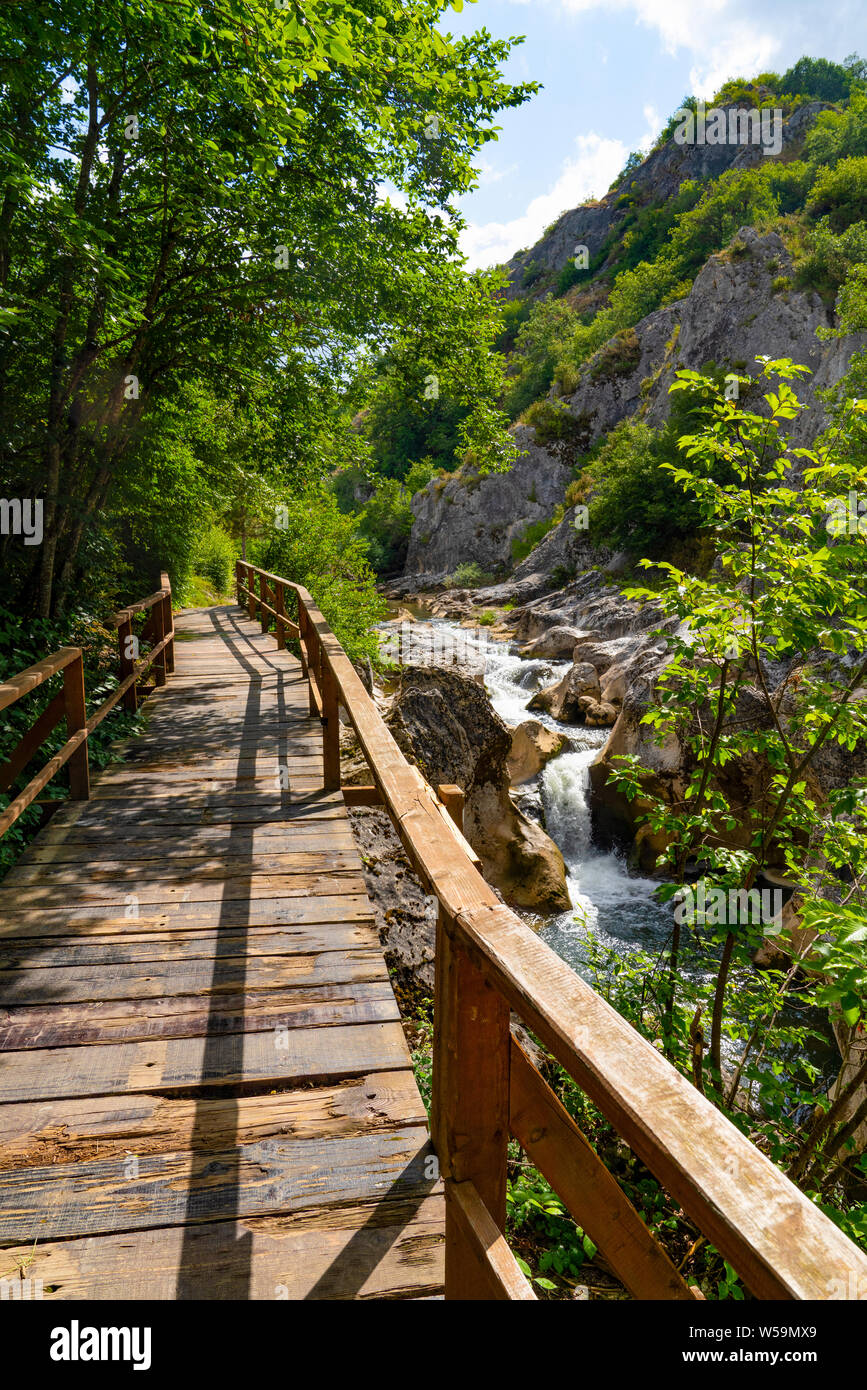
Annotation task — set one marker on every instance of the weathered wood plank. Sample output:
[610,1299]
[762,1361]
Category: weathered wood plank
[389,1249]
[39,1133]
[325,860]
[263,912]
[65,1025]
[177,1064]
[197,975]
[149,890]
[262,1177]
[180,947]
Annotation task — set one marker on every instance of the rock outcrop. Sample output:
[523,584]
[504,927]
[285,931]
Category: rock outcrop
[656,179]
[445,724]
[467,518]
[532,747]
[741,305]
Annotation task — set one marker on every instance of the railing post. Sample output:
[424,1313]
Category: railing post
[470,1101]
[280,605]
[265,596]
[168,622]
[312,639]
[330,725]
[158,618]
[238,582]
[126,646]
[452,798]
[251,592]
[76,718]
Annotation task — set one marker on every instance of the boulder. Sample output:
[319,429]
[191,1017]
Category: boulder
[597,713]
[561,701]
[445,724]
[557,643]
[532,747]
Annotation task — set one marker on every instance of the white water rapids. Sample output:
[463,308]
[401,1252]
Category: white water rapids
[616,905]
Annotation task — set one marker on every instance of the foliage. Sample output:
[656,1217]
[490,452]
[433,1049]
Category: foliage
[320,549]
[385,522]
[787,590]
[22,646]
[540,341]
[192,193]
[821,80]
[841,192]
[213,558]
[469,575]
[532,534]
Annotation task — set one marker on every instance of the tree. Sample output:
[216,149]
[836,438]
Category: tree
[767,670]
[822,80]
[193,190]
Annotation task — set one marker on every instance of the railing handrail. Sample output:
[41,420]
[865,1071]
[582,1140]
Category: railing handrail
[71,701]
[777,1240]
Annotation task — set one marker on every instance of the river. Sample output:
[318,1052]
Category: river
[617,906]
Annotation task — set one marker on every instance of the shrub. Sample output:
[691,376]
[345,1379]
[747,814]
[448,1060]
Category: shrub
[321,549]
[618,357]
[488,618]
[530,538]
[469,575]
[841,192]
[214,558]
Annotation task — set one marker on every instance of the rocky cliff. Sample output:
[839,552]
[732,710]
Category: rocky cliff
[741,305]
[658,178]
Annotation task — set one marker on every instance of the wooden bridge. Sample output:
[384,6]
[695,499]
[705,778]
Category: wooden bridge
[205,1090]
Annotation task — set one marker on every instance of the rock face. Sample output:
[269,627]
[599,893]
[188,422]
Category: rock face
[468,518]
[446,725]
[656,179]
[738,308]
[532,747]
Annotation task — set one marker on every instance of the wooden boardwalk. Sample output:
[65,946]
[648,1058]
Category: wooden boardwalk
[205,1091]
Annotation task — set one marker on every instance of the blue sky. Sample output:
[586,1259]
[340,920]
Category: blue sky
[613,71]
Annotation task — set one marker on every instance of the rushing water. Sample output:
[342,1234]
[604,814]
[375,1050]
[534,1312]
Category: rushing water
[615,904]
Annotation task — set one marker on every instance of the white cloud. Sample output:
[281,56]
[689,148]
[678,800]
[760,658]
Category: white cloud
[598,162]
[489,173]
[728,38]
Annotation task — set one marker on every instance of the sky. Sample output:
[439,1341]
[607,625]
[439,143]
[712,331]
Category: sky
[613,71]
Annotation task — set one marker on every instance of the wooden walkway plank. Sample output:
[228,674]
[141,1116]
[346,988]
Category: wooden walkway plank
[190,976]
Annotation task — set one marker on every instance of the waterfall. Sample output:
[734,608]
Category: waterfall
[617,905]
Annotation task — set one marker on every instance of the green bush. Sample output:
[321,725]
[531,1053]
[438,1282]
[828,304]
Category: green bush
[530,538]
[213,559]
[469,576]
[841,192]
[321,549]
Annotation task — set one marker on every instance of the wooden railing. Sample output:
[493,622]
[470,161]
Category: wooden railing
[488,963]
[69,703]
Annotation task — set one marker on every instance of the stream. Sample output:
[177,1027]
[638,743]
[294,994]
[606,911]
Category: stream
[616,905]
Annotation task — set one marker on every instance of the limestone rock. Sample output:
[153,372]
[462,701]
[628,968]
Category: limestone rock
[556,643]
[561,701]
[446,725]
[468,518]
[532,747]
